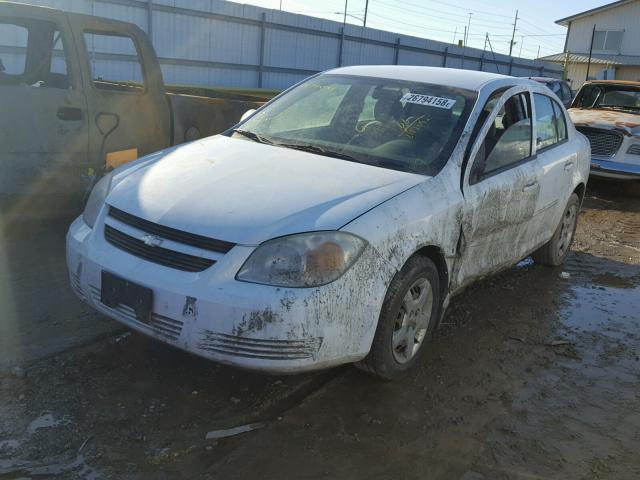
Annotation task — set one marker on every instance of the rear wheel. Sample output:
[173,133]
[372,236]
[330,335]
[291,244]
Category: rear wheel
[407,319]
[556,250]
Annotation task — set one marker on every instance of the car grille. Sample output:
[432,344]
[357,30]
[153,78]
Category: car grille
[191,239]
[163,326]
[159,255]
[603,142]
[256,348]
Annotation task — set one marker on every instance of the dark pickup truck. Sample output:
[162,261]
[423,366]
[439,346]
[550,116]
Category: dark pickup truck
[72,103]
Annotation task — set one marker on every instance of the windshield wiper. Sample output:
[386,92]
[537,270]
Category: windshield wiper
[319,151]
[253,136]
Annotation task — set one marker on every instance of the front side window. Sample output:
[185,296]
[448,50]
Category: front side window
[115,63]
[508,140]
[32,54]
[401,125]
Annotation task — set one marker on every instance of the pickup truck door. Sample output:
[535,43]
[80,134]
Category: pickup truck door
[43,118]
[128,108]
[500,188]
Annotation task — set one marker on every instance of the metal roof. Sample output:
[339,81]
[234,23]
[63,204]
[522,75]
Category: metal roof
[454,77]
[596,58]
[565,21]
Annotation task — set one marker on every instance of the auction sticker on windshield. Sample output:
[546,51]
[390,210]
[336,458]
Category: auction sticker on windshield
[429,100]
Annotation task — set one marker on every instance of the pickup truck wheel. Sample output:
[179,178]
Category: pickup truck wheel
[555,251]
[408,317]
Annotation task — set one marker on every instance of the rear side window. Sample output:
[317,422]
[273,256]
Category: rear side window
[508,141]
[115,62]
[550,122]
[560,121]
[32,54]
[544,121]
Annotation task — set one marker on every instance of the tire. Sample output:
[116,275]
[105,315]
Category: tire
[555,251]
[406,316]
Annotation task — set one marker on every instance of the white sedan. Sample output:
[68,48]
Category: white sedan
[334,224]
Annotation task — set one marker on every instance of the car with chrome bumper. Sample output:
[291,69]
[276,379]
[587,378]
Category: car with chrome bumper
[334,224]
[607,112]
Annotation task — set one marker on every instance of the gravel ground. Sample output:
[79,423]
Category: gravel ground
[534,374]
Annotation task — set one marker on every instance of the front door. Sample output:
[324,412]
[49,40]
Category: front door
[500,188]
[129,112]
[43,119]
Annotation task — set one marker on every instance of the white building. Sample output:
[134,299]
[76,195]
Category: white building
[614,29]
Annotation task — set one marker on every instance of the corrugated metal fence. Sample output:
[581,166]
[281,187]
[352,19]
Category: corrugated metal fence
[220,43]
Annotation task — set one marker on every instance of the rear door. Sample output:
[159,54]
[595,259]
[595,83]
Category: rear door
[128,109]
[43,118]
[558,161]
[501,189]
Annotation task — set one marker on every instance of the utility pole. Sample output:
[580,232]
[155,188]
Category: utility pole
[280,5]
[521,42]
[593,34]
[464,47]
[344,22]
[493,53]
[366,9]
[466,35]
[455,32]
[538,56]
[513,35]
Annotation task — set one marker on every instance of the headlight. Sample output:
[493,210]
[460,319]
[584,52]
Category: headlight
[96,199]
[304,260]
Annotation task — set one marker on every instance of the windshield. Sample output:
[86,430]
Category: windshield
[392,124]
[615,97]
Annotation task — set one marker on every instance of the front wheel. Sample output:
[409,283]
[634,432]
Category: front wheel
[409,315]
[556,250]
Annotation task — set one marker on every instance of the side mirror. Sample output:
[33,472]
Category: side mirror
[247,114]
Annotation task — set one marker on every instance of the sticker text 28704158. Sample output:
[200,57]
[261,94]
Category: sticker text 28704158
[429,100]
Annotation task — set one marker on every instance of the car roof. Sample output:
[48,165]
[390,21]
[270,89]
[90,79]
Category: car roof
[454,77]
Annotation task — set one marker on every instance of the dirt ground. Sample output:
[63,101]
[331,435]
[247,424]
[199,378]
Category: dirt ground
[534,374]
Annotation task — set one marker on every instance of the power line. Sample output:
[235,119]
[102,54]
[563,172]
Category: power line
[430,11]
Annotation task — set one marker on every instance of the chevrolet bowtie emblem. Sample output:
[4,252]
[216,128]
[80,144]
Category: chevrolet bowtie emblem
[151,240]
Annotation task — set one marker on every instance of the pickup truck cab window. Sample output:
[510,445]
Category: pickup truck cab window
[395,124]
[128,77]
[36,55]
[508,140]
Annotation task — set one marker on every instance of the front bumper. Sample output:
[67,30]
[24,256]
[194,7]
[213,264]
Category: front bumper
[247,325]
[611,169]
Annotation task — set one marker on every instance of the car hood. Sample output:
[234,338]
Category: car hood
[624,122]
[246,192]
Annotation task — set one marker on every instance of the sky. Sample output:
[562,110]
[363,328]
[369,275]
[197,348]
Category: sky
[445,21]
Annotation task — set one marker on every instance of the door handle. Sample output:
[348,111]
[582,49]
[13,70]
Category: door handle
[530,186]
[568,166]
[69,114]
